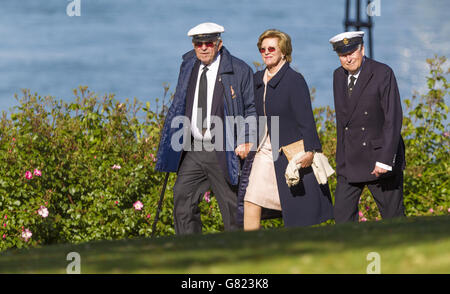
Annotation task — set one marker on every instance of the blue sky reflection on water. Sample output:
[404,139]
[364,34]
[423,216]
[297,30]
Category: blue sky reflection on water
[131,48]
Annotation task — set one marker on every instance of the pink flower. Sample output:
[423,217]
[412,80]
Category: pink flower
[14,139]
[367,208]
[4,236]
[363,219]
[446,134]
[138,205]
[116,166]
[360,214]
[6,216]
[206,197]
[431,210]
[28,175]
[26,235]
[43,211]
[448,210]
[116,202]
[37,172]
[4,225]
[377,219]
[148,215]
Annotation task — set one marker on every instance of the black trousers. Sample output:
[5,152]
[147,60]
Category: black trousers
[387,193]
[199,171]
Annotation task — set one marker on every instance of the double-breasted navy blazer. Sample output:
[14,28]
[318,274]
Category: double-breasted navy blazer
[288,98]
[368,123]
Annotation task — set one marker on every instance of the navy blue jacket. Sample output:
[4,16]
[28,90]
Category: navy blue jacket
[288,98]
[368,123]
[237,80]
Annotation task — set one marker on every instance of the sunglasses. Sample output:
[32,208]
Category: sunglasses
[270,49]
[209,44]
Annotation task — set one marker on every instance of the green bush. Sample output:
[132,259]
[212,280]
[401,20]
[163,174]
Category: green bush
[86,162]
[426,129]
[73,172]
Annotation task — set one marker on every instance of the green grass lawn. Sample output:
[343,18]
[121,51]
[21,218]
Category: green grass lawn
[408,245]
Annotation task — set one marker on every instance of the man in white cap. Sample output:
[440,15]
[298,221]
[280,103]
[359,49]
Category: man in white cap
[370,150]
[212,85]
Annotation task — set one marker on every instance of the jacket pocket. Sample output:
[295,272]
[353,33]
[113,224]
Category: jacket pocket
[377,143]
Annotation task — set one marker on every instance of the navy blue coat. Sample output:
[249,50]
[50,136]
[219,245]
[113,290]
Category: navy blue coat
[287,97]
[233,74]
[368,123]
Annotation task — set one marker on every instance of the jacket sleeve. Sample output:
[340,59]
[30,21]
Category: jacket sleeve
[166,159]
[248,98]
[339,128]
[301,104]
[393,116]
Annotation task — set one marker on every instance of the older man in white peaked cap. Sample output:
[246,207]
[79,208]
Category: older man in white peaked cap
[370,150]
[212,85]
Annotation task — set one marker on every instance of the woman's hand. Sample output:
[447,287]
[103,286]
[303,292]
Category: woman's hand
[243,150]
[306,160]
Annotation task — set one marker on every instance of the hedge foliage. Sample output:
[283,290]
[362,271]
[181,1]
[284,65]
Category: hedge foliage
[84,170]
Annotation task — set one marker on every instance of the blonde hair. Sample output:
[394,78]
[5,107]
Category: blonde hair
[284,42]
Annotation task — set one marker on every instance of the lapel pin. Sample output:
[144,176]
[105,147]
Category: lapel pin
[232,92]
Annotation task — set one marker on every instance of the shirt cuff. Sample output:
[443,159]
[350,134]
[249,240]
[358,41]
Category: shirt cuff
[382,165]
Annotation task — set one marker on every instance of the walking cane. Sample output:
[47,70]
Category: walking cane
[159,204]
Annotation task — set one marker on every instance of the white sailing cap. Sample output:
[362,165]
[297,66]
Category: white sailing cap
[206,31]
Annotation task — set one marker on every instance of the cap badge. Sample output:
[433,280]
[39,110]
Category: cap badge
[345,41]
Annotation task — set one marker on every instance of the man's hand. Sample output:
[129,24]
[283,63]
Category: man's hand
[306,160]
[243,150]
[378,171]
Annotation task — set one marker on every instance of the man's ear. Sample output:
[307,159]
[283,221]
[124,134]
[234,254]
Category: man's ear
[220,45]
[362,50]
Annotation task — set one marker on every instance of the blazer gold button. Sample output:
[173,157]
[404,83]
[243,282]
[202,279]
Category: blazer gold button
[365,112]
[346,128]
[362,129]
[364,144]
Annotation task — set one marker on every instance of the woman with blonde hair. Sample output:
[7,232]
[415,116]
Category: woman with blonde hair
[283,93]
